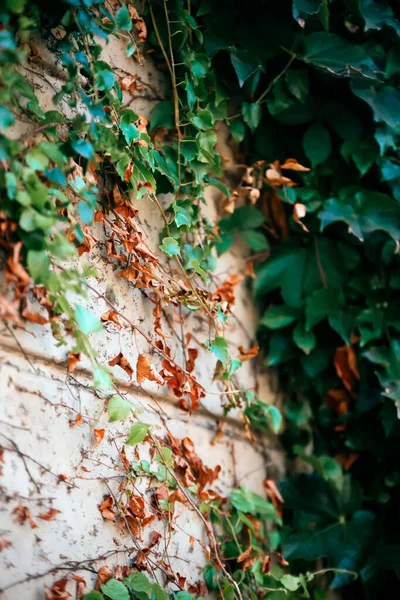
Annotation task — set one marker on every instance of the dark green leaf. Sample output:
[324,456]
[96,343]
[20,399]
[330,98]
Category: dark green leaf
[252,114]
[304,339]
[335,54]
[162,115]
[317,144]
[384,100]
[279,316]
[243,65]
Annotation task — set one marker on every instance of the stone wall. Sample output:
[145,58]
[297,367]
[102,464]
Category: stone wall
[51,460]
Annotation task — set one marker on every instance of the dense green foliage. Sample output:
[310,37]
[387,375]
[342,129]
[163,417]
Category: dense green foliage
[321,84]
[318,81]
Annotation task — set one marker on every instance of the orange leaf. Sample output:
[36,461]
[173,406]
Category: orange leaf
[49,515]
[78,420]
[345,362]
[121,361]
[275,178]
[99,435]
[112,316]
[106,509]
[103,575]
[23,515]
[249,272]
[193,354]
[117,195]
[130,274]
[291,163]
[245,555]
[4,544]
[33,317]
[338,400]
[57,590]
[73,359]
[247,354]
[128,172]
[144,370]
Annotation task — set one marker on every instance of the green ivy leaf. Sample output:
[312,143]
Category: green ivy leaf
[274,418]
[162,115]
[115,590]
[6,117]
[255,239]
[252,114]
[137,433]
[38,265]
[321,304]
[86,212]
[139,583]
[378,15]
[243,65]
[93,595]
[87,321]
[247,217]
[235,364]
[297,83]
[384,100]
[102,379]
[317,144]
[164,454]
[279,316]
[129,129]
[184,212]
[304,339]
[84,148]
[123,18]
[118,409]
[158,593]
[219,347]
[334,53]
[36,160]
[363,154]
[170,246]
[202,119]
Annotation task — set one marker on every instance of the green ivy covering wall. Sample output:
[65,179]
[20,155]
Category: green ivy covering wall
[315,81]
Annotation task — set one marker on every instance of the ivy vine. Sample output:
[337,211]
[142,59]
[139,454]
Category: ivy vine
[317,80]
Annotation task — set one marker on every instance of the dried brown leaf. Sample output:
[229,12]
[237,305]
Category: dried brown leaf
[121,361]
[73,359]
[144,370]
[292,164]
[345,361]
[50,515]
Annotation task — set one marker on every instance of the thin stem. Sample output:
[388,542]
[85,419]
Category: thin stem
[175,91]
[319,264]
[273,82]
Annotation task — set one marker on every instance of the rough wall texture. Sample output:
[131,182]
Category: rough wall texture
[49,464]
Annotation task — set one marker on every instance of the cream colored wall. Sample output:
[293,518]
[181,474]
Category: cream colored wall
[39,400]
